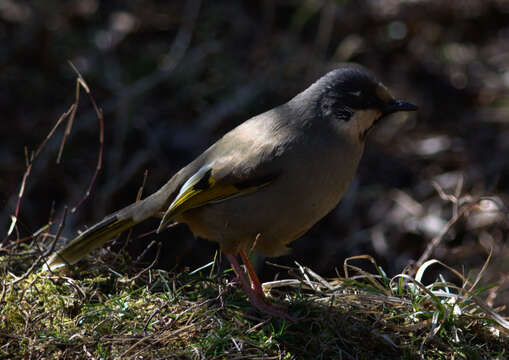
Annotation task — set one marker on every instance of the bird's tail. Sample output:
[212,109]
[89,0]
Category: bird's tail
[87,241]
[109,227]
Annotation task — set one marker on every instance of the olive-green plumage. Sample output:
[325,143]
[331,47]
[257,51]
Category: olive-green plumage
[269,179]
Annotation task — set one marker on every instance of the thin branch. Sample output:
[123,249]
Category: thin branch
[81,82]
[29,160]
[71,110]
[138,198]
[438,239]
[42,255]
[147,268]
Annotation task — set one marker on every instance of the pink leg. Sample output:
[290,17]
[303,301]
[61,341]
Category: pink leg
[256,285]
[238,271]
[253,289]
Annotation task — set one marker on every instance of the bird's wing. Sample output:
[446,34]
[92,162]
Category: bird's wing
[234,166]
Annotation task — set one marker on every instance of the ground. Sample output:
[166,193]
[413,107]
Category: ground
[170,78]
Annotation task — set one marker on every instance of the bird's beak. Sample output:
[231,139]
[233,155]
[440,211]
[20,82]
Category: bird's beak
[398,105]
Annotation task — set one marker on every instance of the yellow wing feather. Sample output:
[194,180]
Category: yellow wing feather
[201,189]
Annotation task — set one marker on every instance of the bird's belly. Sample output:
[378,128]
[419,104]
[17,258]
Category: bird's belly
[270,218]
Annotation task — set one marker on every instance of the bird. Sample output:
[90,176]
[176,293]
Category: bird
[267,181]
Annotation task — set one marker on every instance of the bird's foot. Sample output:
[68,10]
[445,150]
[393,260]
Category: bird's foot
[263,305]
[254,290]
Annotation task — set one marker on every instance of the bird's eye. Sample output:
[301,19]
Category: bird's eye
[356,93]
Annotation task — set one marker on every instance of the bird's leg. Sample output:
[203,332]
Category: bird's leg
[253,289]
[256,285]
[238,271]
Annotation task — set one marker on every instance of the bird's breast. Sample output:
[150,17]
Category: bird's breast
[311,184]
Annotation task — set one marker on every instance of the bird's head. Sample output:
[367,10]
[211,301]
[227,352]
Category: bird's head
[355,101]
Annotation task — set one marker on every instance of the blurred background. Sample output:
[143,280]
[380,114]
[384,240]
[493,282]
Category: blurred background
[172,77]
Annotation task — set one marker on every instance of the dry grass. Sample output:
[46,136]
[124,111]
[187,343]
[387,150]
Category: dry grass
[118,312]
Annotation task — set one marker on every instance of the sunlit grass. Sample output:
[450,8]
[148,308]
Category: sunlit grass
[106,312]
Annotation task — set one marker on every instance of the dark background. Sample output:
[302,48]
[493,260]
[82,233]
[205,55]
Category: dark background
[172,77]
